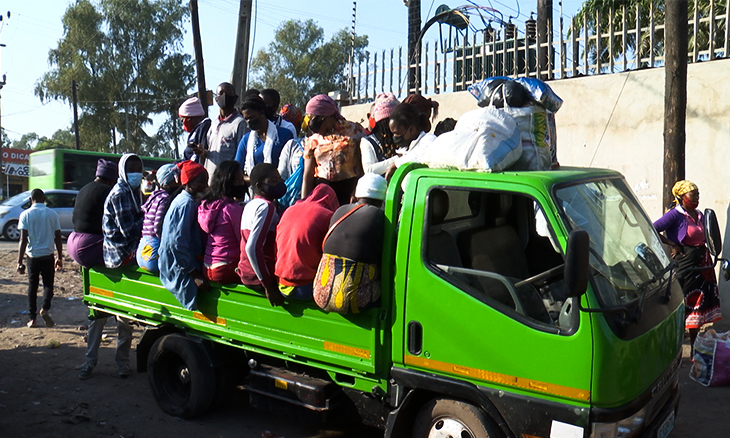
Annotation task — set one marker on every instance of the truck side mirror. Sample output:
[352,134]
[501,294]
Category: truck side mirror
[713,238]
[576,263]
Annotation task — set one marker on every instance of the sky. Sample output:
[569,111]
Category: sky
[35,27]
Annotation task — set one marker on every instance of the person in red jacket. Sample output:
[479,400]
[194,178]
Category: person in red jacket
[299,238]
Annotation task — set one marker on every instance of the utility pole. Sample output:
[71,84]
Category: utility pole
[198,45]
[544,29]
[239,78]
[350,78]
[76,115]
[675,95]
[414,46]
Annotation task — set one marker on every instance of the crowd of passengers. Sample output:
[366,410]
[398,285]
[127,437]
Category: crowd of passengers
[294,216]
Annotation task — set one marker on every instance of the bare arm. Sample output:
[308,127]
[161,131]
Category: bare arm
[59,249]
[308,175]
[21,250]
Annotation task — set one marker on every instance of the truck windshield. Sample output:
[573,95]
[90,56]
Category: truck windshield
[627,256]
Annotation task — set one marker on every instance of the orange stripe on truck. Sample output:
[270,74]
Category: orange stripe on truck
[502,379]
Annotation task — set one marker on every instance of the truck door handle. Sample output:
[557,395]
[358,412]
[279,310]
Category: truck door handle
[415,338]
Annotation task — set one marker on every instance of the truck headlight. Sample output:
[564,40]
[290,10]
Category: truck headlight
[626,428]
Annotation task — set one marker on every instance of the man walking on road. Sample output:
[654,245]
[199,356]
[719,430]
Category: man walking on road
[39,230]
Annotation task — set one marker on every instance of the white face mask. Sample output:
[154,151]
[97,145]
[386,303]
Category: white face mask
[134,179]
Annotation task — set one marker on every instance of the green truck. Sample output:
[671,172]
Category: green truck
[514,304]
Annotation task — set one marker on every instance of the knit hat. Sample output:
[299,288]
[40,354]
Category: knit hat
[322,105]
[191,108]
[371,185]
[107,169]
[189,170]
[167,173]
[384,104]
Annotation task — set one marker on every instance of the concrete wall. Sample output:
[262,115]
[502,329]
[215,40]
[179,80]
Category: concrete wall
[616,121]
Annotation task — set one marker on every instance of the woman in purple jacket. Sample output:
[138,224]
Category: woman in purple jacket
[219,216]
[685,234]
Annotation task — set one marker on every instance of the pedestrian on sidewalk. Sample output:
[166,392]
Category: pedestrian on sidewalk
[39,230]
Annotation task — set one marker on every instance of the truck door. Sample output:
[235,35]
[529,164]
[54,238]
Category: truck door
[484,298]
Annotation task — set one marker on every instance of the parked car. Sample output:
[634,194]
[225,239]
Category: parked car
[61,201]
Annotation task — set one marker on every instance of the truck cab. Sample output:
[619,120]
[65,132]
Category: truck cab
[494,321]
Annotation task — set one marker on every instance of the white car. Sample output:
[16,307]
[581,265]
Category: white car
[61,201]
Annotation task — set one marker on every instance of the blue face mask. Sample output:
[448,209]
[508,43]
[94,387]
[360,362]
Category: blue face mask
[134,179]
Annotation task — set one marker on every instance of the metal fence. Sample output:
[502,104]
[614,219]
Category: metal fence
[628,40]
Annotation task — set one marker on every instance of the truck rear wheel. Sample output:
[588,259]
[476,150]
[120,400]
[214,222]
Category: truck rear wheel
[182,383]
[444,418]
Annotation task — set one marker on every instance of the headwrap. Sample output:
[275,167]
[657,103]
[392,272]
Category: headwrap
[107,169]
[291,114]
[189,170]
[384,105]
[167,173]
[322,105]
[191,108]
[428,107]
[683,187]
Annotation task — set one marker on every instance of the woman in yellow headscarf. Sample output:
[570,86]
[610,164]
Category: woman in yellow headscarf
[685,233]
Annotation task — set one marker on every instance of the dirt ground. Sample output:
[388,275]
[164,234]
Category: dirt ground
[41,395]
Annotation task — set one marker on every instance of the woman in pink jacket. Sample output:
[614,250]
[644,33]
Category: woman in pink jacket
[219,216]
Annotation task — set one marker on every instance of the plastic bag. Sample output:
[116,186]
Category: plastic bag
[535,91]
[538,146]
[293,186]
[485,139]
[711,365]
[495,91]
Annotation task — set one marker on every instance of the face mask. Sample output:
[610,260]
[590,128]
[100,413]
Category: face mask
[239,192]
[134,179]
[692,204]
[225,101]
[188,125]
[399,140]
[276,191]
[254,124]
[371,123]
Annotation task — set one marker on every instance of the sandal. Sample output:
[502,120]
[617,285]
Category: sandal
[47,318]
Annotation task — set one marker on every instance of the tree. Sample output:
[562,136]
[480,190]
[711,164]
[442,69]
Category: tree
[61,139]
[603,9]
[26,141]
[4,139]
[125,57]
[299,64]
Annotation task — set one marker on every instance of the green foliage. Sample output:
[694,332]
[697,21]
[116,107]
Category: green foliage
[125,58]
[4,139]
[61,139]
[613,10]
[26,141]
[299,64]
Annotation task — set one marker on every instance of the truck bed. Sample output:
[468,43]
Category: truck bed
[235,315]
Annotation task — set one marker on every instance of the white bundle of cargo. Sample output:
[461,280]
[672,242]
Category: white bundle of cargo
[532,103]
[485,139]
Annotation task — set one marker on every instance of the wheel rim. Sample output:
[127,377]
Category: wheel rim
[174,377]
[12,231]
[449,428]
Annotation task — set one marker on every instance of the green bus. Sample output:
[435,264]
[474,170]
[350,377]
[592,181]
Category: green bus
[71,169]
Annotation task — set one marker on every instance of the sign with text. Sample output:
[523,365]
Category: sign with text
[11,155]
[15,169]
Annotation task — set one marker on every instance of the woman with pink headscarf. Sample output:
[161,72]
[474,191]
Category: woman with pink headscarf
[378,149]
[331,152]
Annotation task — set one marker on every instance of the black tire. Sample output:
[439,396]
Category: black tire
[182,382]
[11,231]
[443,417]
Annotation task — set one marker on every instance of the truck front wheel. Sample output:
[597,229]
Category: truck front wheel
[443,417]
[181,380]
